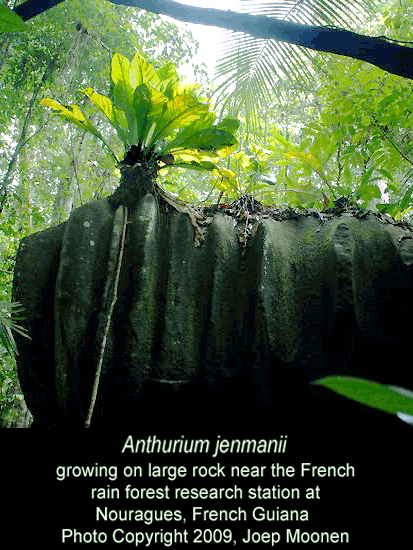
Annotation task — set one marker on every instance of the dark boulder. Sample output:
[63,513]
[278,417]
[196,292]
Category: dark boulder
[234,325]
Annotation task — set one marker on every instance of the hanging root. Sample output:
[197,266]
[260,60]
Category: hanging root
[118,240]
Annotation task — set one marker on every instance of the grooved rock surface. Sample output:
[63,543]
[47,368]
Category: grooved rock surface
[223,329]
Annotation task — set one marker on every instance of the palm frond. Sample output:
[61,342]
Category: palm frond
[250,68]
[8,316]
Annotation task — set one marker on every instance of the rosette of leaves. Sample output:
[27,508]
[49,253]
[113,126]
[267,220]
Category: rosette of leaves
[160,121]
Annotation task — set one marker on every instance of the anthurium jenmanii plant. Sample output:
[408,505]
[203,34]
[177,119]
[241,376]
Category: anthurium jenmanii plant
[159,120]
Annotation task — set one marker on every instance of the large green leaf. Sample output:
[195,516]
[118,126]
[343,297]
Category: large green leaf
[75,115]
[70,112]
[179,112]
[10,21]
[229,124]
[379,396]
[143,72]
[141,105]
[184,134]
[122,90]
[168,80]
[115,115]
[200,157]
[209,139]
[125,77]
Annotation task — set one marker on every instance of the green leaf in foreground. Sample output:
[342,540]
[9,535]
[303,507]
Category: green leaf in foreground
[386,398]
[10,21]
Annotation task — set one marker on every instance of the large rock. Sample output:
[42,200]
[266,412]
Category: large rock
[235,327]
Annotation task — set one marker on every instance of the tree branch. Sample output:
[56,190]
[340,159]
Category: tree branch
[23,140]
[391,57]
[31,8]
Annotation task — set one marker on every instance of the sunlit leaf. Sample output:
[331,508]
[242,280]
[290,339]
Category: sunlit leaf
[122,90]
[229,175]
[181,111]
[169,83]
[115,115]
[369,393]
[195,165]
[142,72]
[75,115]
[199,156]
[225,151]
[179,141]
[72,112]
[150,134]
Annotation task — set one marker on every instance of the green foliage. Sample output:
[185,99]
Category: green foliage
[251,67]
[7,324]
[10,393]
[349,133]
[47,169]
[10,21]
[151,110]
[391,399]
[251,171]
